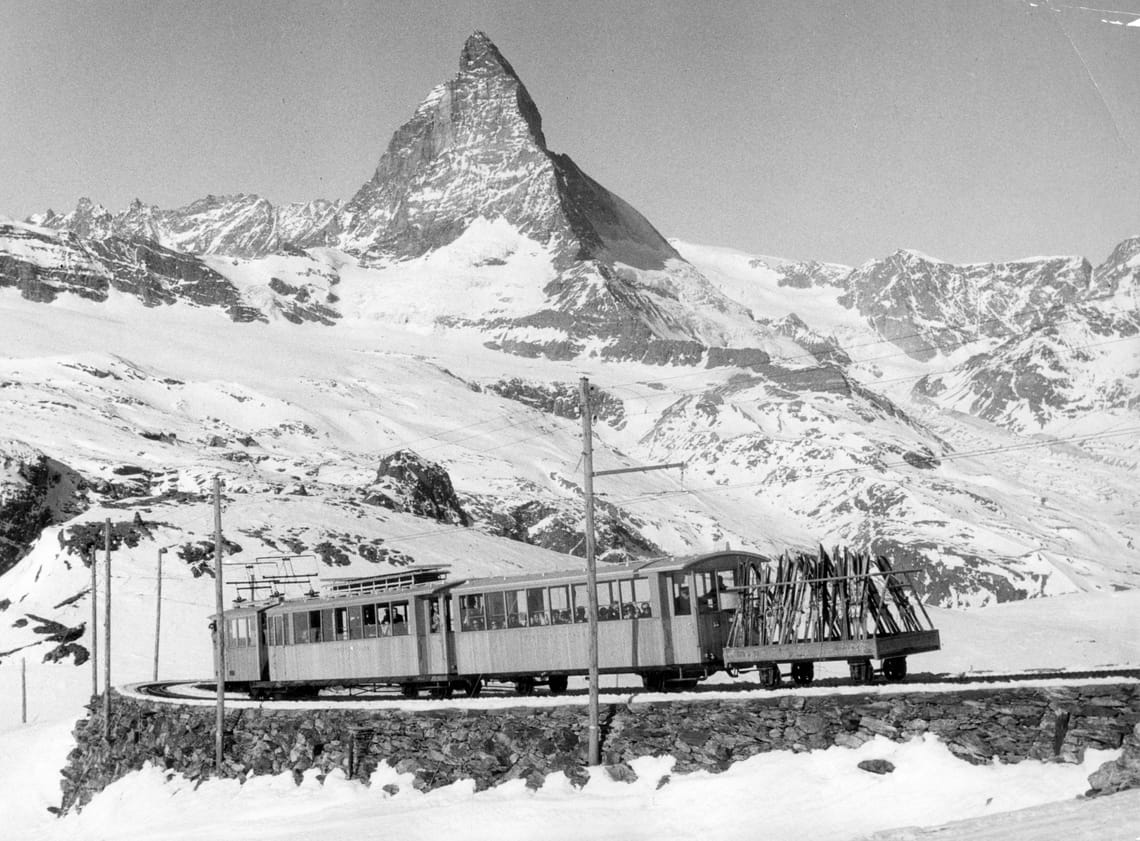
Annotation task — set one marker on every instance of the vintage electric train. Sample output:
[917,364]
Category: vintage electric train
[667,621]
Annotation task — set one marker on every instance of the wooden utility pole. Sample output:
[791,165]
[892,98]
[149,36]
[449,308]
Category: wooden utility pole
[92,555]
[591,564]
[220,628]
[158,612]
[588,475]
[107,629]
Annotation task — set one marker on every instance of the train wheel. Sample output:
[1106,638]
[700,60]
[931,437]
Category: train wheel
[441,691]
[524,686]
[409,690]
[473,687]
[803,673]
[653,681]
[861,671]
[557,684]
[769,674]
[894,669]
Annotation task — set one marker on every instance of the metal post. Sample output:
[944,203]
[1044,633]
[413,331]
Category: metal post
[94,627]
[107,629]
[158,612]
[220,633]
[591,566]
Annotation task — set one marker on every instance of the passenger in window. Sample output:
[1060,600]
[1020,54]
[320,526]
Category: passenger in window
[538,618]
[434,618]
[681,604]
[580,615]
[385,625]
[644,611]
[628,611]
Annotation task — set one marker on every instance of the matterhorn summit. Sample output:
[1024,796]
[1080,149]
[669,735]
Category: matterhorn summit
[475,148]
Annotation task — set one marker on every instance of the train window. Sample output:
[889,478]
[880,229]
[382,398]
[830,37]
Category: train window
[682,605]
[536,605]
[368,620]
[328,625]
[608,607]
[496,611]
[276,631]
[471,613]
[724,580]
[706,592]
[581,603]
[315,626]
[399,619]
[560,605]
[340,622]
[517,616]
[300,623]
[355,623]
[634,598]
[384,619]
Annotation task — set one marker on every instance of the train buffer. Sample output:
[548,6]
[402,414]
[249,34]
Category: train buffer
[850,606]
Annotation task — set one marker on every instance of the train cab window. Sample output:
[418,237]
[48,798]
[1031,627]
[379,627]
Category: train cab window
[706,592]
[238,633]
[537,608]
[399,613]
[581,603]
[356,622]
[340,623]
[471,613]
[560,605]
[368,620]
[682,601]
[728,599]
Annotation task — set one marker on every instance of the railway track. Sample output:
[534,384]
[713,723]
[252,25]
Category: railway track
[205,691]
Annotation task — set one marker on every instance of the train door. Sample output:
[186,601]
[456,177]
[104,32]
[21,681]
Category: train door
[431,622]
[715,603]
[263,643]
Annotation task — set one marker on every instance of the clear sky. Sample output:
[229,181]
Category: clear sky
[836,131]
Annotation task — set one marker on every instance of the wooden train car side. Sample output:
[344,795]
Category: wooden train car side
[667,621]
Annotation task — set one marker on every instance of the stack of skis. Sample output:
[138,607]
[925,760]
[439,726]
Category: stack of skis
[846,595]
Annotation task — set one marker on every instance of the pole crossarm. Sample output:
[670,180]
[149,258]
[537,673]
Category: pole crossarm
[670,466]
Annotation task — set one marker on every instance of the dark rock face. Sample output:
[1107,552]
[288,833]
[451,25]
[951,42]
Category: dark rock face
[1121,773]
[35,491]
[560,399]
[407,482]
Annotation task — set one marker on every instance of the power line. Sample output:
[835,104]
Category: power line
[948,457]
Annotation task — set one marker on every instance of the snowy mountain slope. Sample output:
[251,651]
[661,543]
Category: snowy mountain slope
[240,225]
[785,387]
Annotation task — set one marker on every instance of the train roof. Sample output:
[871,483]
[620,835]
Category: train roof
[607,571]
[424,580]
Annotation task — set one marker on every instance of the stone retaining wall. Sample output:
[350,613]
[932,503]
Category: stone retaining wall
[493,745]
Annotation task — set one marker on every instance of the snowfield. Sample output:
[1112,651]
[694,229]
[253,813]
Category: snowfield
[779,795]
